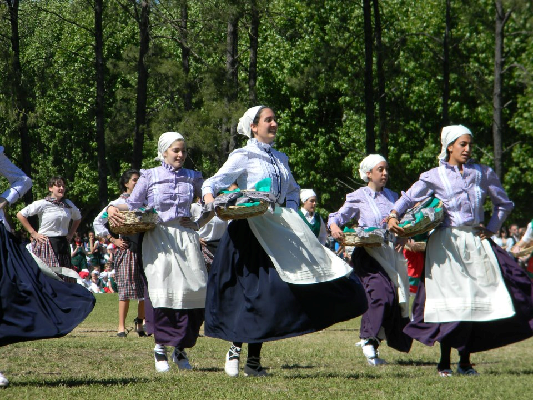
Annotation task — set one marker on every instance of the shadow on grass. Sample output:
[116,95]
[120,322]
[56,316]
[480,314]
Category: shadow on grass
[83,382]
[297,366]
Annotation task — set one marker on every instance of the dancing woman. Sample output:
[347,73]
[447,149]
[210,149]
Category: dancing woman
[172,260]
[51,243]
[382,270]
[474,297]
[127,270]
[265,282]
[32,305]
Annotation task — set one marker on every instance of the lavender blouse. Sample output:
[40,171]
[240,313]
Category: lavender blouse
[365,205]
[463,195]
[252,163]
[169,192]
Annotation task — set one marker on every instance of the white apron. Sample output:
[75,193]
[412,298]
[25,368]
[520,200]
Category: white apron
[396,267]
[296,253]
[463,279]
[174,267]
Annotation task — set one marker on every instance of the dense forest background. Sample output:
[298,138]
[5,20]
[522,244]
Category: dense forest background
[87,87]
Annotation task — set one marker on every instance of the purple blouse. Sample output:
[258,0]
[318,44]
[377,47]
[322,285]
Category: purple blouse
[367,206]
[463,195]
[169,192]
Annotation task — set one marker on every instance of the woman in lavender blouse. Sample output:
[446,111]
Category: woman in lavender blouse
[474,296]
[382,270]
[251,296]
[172,260]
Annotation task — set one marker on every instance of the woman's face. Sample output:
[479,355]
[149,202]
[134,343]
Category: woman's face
[265,130]
[131,183]
[310,204]
[379,174]
[91,235]
[57,190]
[460,150]
[176,154]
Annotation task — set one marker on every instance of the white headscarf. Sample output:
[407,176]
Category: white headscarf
[448,135]
[305,194]
[368,164]
[165,142]
[243,127]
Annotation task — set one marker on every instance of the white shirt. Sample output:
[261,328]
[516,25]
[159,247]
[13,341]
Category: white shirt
[100,221]
[18,180]
[54,220]
[527,237]
[213,230]
[311,219]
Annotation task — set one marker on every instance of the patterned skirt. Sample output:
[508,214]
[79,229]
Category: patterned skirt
[55,253]
[128,276]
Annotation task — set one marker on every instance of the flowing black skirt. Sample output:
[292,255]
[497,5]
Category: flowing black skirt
[485,335]
[32,305]
[248,302]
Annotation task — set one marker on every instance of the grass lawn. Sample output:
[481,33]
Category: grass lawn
[92,363]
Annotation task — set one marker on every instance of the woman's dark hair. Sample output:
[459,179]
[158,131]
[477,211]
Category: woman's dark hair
[257,117]
[54,180]
[126,176]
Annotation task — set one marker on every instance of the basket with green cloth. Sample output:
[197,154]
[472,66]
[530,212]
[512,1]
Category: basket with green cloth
[364,237]
[137,221]
[242,204]
[422,218]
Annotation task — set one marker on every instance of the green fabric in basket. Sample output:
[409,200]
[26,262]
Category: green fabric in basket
[432,202]
[369,229]
[261,186]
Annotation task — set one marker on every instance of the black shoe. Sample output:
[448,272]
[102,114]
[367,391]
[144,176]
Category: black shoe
[122,334]
[139,327]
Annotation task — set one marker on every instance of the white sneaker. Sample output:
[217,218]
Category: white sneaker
[371,353]
[3,381]
[231,366]
[179,357]
[161,362]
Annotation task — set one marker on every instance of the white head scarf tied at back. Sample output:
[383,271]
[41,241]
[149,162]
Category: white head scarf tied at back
[368,164]
[305,194]
[448,135]
[165,142]
[243,127]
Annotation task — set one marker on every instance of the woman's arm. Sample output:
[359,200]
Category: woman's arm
[33,233]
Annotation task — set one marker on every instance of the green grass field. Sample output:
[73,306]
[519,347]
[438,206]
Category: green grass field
[92,363]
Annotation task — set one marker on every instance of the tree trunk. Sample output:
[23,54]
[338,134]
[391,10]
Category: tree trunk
[188,92]
[99,112]
[22,105]
[382,116]
[500,21]
[253,59]
[142,86]
[446,66]
[229,127]
[369,97]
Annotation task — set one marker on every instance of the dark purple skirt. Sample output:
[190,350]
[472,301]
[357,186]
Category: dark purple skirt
[384,310]
[247,301]
[485,335]
[32,305]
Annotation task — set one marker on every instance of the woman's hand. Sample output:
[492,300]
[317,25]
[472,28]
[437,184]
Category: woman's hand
[399,244]
[38,237]
[483,232]
[187,223]
[393,226]
[208,198]
[337,233]
[120,243]
[115,217]
[3,202]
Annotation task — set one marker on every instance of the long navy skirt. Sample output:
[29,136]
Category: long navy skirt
[32,305]
[384,310]
[485,335]
[248,302]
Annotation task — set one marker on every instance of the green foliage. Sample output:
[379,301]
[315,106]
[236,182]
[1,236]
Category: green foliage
[310,70]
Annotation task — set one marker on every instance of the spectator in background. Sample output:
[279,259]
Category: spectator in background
[307,212]
[501,239]
[78,256]
[514,237]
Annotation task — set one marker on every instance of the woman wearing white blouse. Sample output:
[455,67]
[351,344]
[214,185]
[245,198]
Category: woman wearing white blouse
[270,278]
[32,305]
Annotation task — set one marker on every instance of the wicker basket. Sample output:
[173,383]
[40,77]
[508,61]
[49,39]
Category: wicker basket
[425,225]
[136,222]
[354,240]
[523,252]
[416,247]
[241,212]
